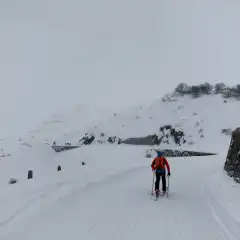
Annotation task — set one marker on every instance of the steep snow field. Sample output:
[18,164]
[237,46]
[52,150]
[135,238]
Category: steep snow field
[108,198]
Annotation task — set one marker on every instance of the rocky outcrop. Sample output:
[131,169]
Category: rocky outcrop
[150,153]
[148,140]
[167,134]
[87,139]
[232,164]
[63,148]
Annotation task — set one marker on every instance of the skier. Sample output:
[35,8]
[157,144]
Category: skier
[158,165]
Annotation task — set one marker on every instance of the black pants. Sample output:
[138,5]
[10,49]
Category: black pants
[158,177]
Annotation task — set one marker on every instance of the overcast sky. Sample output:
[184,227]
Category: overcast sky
[55,54]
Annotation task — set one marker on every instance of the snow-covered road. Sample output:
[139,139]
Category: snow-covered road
[120,207]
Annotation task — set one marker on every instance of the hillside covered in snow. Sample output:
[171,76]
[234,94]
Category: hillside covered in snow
[192,117]
[68,58]
[198,118]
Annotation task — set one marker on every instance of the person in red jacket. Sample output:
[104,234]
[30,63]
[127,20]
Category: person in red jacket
[158,165]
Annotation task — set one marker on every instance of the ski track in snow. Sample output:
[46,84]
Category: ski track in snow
[119,207]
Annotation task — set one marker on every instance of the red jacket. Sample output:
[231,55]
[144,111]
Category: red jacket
[160,163]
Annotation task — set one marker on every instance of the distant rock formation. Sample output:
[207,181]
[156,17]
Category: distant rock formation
[167,134]
[150,153]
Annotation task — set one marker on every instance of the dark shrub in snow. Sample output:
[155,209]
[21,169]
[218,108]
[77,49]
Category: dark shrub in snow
[196,90]
[182,88]
[206,88]
[227,131]
[219,87]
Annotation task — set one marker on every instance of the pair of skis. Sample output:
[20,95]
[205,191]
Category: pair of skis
[160,194]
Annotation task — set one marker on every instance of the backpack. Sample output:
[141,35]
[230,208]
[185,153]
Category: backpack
[159,163]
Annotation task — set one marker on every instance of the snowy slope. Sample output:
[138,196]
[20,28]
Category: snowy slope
[201,119]
[57,53]
[109,198]
[74,121]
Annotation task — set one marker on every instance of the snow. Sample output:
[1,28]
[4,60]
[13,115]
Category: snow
[192,116]
[55,54]
[186,114]
[108,198]
[75,122]
[224,197]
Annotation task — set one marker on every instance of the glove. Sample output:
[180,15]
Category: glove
[153,169]
[169,174]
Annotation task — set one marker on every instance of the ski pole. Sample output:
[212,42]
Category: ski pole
[168,186]
[153,182]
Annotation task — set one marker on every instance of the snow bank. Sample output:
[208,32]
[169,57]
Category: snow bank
[223,198]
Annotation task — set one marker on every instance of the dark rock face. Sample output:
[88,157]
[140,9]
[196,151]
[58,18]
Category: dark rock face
[182,153]
[166,134]
[148,140]
[232,164]
[113,139]
[63,148]
[150,153]
[87,139]
[30,174]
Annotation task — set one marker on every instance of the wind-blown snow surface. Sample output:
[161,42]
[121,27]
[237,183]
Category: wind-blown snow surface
[108,198]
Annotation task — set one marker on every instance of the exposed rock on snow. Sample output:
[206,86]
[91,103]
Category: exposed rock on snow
[177,121]
[232,164]
[167,134]
[88,139]
[150,153]
[63,148]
